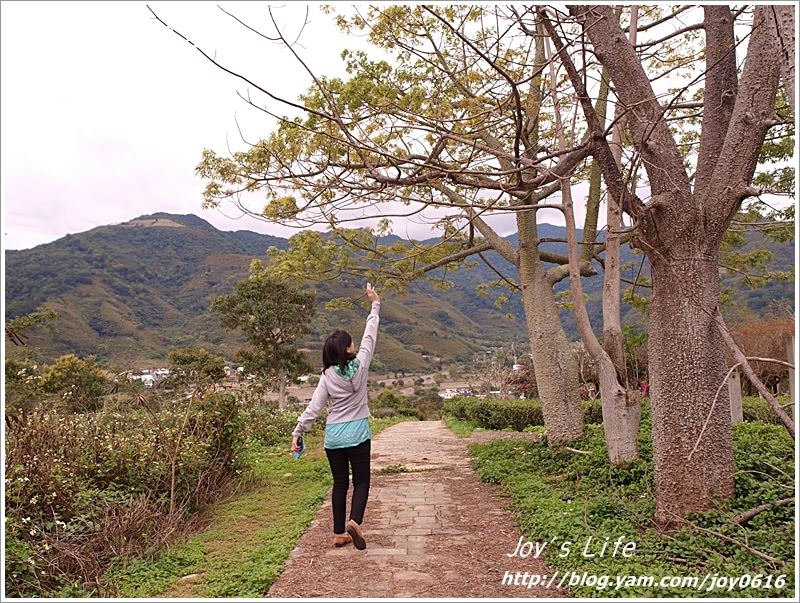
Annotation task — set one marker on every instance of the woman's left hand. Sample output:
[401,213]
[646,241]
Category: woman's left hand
[295,444]
[372,294]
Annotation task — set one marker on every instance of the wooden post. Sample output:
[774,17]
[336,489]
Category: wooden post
[735,394]
[790,360]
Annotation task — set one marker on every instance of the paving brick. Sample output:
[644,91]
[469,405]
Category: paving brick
[374,551]
[415,530]
[425,522]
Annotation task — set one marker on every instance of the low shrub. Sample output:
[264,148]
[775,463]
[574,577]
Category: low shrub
[758,409]
[271,426]
[84,488]
[70,383]
[424,406]
[384,412]
[427,403]
[496,413]
[389,398]
[279,499]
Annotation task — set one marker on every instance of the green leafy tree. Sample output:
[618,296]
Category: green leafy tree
[462,119]
[418,134]
[23,362]
[79,382]
[389,398]
[196,366]
[273,315]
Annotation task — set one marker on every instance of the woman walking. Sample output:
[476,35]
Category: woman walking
[347,433]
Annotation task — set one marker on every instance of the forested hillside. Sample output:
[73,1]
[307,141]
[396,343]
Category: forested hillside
[128,293]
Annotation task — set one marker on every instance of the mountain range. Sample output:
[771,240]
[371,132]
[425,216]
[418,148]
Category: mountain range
[128,293]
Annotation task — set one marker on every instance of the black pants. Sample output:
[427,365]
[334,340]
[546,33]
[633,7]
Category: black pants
[358,459]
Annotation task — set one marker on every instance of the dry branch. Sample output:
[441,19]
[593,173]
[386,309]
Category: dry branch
[746,516]
[575,450]
[748,370]
[746,547]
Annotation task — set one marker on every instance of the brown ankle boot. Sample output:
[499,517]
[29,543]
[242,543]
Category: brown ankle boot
[341,540]
[357,535]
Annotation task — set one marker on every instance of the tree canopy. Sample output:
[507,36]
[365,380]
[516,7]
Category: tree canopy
[273,315]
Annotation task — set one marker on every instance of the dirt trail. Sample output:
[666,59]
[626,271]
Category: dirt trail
[432,529]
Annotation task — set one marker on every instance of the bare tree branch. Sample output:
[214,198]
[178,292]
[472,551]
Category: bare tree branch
[652,137]
[657,22]
[237,75]
[749,122]
[720,90]
[601,150]
[745,516]
[465,253]
[499,244]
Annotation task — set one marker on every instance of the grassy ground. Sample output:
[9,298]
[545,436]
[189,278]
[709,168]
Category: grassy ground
[460,427]
[564,499]
[250,536]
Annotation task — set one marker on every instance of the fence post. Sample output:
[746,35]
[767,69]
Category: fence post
[735,394]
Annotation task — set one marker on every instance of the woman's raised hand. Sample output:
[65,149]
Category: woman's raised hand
[371,294]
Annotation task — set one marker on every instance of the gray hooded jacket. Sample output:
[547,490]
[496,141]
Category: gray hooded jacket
[348,397]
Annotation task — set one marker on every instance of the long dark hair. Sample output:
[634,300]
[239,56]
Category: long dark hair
[334,352]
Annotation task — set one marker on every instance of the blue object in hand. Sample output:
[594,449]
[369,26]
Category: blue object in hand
[299,453]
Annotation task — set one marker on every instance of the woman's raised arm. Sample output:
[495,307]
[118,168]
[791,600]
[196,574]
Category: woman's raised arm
[367,348]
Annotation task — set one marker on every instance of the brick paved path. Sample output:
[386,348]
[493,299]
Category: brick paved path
[434,531]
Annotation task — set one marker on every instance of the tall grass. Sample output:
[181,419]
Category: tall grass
[82,489]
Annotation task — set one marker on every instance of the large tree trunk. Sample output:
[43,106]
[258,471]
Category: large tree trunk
[784,16]
[554,363]
[622,414]
[621,408]
[622,411]
[681,233]
[686,368]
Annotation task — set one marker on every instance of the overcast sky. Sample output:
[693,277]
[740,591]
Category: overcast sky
[105,112]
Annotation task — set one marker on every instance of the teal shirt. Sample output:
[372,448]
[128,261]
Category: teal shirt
[347,434]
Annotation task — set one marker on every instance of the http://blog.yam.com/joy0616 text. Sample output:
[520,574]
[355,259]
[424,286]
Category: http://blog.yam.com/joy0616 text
[621,547]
